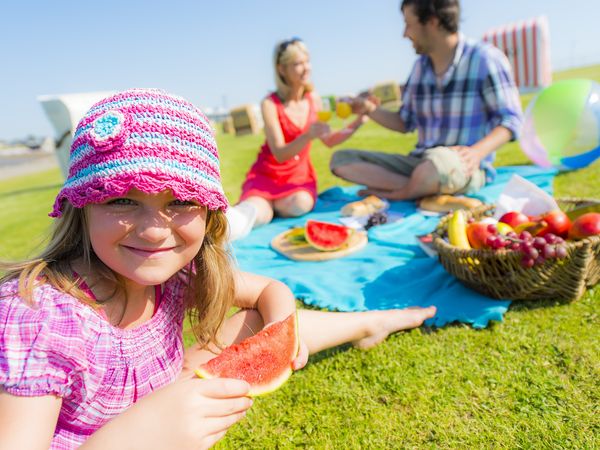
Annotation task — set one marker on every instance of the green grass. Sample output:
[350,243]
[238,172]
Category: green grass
[528,382]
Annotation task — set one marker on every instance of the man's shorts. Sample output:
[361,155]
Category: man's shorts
[446,161]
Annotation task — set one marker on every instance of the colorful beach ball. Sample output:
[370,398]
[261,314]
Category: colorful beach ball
[562,125]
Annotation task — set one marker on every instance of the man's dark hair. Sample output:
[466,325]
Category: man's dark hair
[447,12]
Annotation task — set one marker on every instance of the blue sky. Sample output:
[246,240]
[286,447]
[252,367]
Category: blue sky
[218,53]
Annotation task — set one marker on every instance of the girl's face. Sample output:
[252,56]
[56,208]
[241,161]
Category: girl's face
[296,72]
[146,238]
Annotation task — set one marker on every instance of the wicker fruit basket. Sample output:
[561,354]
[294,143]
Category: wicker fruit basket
[499,274]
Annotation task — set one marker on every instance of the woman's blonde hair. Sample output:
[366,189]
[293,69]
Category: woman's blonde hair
[286,51]
[209,276]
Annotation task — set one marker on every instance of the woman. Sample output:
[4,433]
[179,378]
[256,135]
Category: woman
[282,181]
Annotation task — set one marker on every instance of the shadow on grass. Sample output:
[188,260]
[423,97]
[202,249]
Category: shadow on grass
[528,305]
[30,190]
[328,353]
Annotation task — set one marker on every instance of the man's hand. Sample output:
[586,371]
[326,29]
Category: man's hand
[470,158]
[364,105]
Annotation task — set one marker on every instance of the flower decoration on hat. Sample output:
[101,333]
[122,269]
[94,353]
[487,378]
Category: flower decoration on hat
[110,130]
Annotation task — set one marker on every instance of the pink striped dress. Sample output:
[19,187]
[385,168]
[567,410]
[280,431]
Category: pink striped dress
[63,347]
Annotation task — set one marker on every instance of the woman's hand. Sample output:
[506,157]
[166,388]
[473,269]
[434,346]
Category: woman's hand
[318,130]
[187,414]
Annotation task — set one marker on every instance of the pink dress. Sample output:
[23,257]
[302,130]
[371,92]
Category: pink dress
[271,179]
[64,347]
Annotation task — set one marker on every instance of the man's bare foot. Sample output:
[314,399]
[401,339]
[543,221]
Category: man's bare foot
[385,322]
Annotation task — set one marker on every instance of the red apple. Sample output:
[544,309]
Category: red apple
[477,233]
[514,218]
[585,225]
[558,224]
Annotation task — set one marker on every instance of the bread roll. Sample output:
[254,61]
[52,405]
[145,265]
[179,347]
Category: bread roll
[364,207]
[446,203]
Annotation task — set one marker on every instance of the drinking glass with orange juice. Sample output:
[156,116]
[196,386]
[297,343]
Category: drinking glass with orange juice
[326,111]
[343,109]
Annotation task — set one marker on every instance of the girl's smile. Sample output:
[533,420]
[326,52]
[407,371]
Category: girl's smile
[149,252]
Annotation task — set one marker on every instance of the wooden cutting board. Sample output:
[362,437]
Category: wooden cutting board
[305,252]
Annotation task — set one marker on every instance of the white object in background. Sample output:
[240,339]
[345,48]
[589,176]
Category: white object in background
[522,195]
[526,44]
[64,112]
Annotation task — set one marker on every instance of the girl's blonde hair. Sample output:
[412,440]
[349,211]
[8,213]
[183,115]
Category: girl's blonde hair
[286,51]
[209,277]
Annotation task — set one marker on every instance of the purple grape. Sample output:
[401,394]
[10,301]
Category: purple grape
[525,235]
[549,251]
[561,251]
[378,218]
[531,252]
[527,262]
[490,241]
[526,245]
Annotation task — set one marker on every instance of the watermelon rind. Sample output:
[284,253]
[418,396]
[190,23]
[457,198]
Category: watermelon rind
[257,390]
[327,236]
[243,357]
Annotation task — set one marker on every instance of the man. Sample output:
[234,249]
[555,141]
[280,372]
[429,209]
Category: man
[461,99]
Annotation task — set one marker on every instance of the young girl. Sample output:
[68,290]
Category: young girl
[91,350]
[282,181]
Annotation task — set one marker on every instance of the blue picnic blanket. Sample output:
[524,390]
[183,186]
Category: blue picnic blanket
[392,271]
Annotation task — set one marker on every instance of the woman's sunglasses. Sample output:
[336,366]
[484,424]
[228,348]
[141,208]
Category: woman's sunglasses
[284,45]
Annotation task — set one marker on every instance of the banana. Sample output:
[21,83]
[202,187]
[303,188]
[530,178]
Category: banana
[457,230]
[532,227]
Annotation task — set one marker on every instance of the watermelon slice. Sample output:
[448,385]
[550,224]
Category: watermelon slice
[326,236]
[263,360]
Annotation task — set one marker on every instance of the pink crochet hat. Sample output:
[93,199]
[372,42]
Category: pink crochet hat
[145,139]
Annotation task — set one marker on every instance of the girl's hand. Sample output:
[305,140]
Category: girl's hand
[187,414]
[318,130]
[301,358]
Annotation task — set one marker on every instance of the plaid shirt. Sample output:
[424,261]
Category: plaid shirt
[476,94]
[63,347]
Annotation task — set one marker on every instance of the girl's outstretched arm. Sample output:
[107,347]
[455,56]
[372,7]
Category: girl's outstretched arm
[27,423]
[273,299]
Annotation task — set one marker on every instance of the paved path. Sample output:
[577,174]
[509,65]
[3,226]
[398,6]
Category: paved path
[25,162]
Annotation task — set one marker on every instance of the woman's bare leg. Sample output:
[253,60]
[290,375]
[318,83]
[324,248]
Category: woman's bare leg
[294,205]
[264,209]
